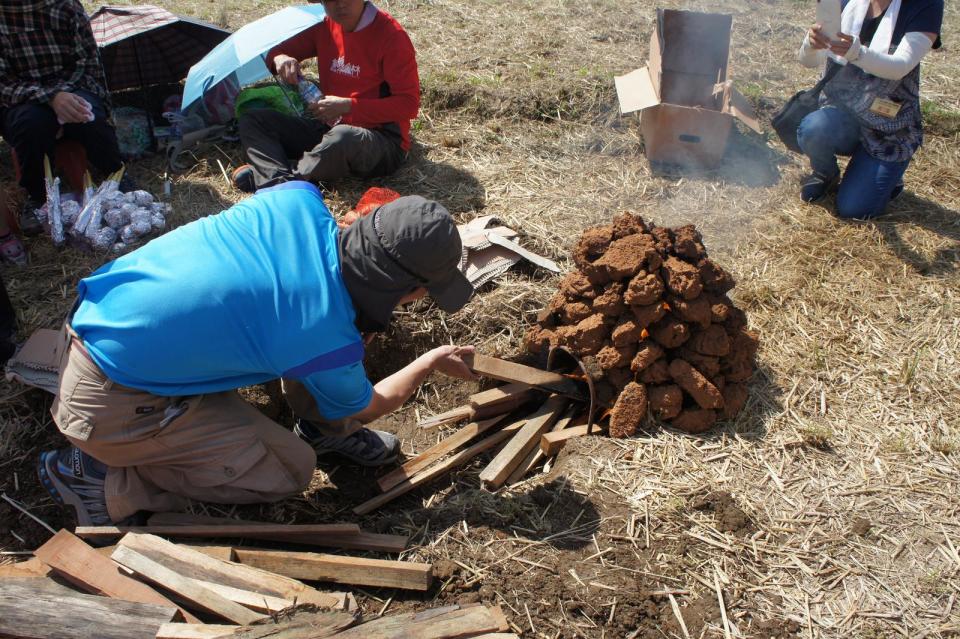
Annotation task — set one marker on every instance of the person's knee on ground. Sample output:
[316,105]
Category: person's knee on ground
[852,204]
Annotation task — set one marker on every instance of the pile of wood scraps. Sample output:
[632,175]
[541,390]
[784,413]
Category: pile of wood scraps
[148,587]
[525,422]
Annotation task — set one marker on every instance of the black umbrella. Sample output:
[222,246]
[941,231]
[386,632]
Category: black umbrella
[145,45]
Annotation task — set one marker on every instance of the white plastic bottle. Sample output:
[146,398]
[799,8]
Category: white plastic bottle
[828,17]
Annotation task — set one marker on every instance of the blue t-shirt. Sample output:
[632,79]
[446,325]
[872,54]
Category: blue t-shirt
[231,300]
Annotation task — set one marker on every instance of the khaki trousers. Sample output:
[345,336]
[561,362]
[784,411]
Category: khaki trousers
[164,451]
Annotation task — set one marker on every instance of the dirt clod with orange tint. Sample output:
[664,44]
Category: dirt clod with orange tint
[629,411]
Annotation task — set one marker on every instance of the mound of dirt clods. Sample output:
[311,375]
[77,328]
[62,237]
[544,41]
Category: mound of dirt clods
[648,311]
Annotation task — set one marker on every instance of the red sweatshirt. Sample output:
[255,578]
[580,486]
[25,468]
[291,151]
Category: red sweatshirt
[375,67]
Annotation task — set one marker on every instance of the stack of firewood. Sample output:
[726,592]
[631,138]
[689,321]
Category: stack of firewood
[146,587]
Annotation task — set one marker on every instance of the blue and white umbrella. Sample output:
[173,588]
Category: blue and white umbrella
[243,54]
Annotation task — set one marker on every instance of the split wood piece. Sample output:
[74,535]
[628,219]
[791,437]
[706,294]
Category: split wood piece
[513,372]
[39,608]
[254,531]
[535,456]
[444,467]
[193,563]
[436,451]
[363,540]
[343,570]
[247,599]
[81,565]
[194,631]
[485,404]
[32,567]
[183,587]
[553,442]
[517,449]
[301,625]
[451,622]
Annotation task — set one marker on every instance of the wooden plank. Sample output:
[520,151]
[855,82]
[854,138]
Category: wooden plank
[194,564]
[451,622]
[553,442]
[194,631]
[184,588]
[513,372]
[247,599]
[363,540]
[301,625]
[223,553]
[257,531]
[32,567]
[485,405]
[499,393]
[39,608]
[535,456]
[343,570]
[435,452]
[444,467]
[95,573]
[516,450]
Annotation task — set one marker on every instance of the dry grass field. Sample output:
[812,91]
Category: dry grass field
[829,508]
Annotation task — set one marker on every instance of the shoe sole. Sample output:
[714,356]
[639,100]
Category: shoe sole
[60,492]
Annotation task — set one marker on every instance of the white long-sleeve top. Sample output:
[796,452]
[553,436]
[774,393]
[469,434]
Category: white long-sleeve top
[893,66]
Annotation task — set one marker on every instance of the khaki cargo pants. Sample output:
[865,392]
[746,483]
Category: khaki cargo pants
[164,451]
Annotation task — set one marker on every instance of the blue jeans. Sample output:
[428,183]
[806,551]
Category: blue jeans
[868,182]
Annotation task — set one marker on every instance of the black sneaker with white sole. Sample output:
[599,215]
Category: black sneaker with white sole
[366,447]
[816,186]
[76,479]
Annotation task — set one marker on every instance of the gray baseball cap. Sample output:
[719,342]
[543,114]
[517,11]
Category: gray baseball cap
[408,243]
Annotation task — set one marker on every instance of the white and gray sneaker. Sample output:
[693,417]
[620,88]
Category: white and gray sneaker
[366,447]
[76,479]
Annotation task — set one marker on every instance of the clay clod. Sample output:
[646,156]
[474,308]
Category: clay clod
[695,384]
[626,256]
[629,411]
[682,279]
[666,401]
[645,288]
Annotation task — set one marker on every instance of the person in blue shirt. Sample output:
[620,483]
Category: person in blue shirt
[161,338]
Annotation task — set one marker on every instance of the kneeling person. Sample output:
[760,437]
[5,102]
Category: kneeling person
[161,338]
[361,127]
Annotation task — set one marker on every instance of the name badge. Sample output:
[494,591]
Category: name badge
[885,108]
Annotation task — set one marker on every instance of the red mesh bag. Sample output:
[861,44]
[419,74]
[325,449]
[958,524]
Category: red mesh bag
[374,197]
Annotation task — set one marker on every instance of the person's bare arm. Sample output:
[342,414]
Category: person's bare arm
[390,393]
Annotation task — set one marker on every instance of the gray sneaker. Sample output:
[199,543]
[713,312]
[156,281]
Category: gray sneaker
[76,479]
[366,447]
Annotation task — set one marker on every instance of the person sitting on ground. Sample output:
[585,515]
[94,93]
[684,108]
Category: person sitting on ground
[870,110]
[11,248]
[161,338]
[361,128]
[52,86]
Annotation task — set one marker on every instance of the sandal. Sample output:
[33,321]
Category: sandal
[12,250]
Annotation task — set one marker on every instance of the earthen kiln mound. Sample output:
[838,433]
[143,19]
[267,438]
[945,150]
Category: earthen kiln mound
[648,311]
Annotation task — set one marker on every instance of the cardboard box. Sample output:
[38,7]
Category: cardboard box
[686,103]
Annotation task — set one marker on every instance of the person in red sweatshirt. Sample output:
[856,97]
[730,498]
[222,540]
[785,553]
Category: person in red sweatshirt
[361,126]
